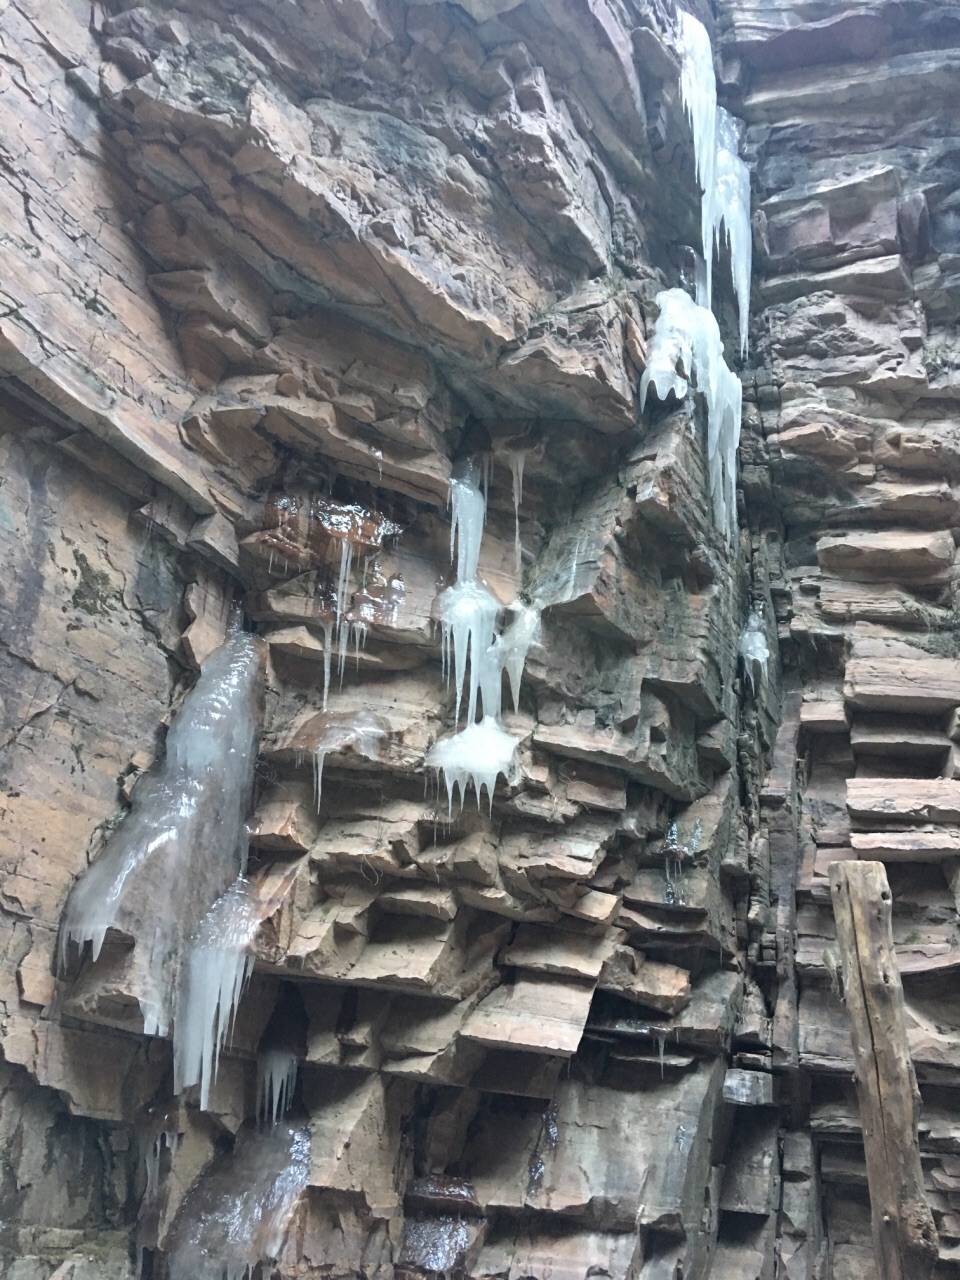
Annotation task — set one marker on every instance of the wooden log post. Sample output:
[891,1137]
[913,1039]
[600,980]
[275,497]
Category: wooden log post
[904,1236]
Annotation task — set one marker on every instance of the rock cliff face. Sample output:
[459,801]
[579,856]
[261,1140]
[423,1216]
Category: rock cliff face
[323,334]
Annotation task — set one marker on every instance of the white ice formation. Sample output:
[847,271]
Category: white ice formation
[723,177]
[237,1213]
[360,731]
[186,827]
[276,1081]
[468,613]
[217,966]
[686,348]
[754,653]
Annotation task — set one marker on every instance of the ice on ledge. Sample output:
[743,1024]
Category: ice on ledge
[754,653]
[686,347]
[478,754]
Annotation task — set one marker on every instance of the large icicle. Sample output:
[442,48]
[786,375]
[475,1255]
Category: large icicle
[217,966]
[468,617]
[698,90]
[686,347]
[185,829]
[723,177]
[237,1213]
[733,201]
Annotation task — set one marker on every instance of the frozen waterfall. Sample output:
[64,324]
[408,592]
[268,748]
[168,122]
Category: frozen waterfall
[723,177]
[185,828]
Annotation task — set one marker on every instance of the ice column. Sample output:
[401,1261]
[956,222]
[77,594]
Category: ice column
[185,828]
[723,177]
[685,348]
[468,619]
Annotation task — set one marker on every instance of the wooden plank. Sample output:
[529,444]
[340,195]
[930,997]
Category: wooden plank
[905,1239]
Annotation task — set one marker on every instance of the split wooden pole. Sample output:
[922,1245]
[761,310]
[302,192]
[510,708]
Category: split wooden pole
[904,1236]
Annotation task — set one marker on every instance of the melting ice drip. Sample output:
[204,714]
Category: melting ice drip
[483,750]
[723,177]
[754,653]
[217,966]
[185,826]
[237,1213]
[686,346]
[276,1081]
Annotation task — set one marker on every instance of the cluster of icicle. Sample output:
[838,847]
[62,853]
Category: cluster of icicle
[686,347]
[213,976]
[237,1213]
[723,177]
[469,613]
[186,827]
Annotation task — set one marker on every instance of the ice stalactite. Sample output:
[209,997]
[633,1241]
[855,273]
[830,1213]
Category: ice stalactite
[186,827]
[686,348]
[468,612]
[754,652]
[217,966]
[698,90]
[723,177]
[733,202]
[516,642]
[517,458]
[276,1081]
[468,619]
[236,1215]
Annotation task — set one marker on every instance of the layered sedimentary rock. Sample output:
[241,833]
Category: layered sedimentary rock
[528,967]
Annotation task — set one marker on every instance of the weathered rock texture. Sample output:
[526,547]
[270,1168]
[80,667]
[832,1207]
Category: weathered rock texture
[269,273]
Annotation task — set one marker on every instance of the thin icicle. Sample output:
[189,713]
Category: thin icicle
[343,582]
[517,458]
[276,1081]
[362,732]
[218,964]
[327,660]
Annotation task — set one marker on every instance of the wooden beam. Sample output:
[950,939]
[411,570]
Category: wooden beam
[905,1239]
